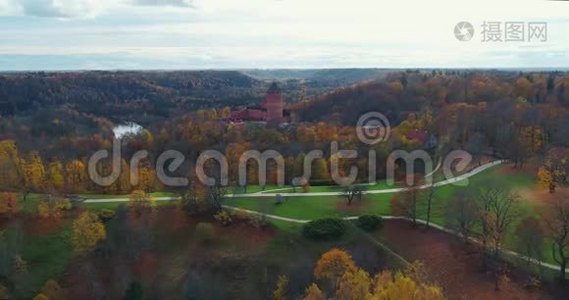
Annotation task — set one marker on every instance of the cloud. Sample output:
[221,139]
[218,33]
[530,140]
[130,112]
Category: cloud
[178,3]
[52,8]
[77,8]
[9,7]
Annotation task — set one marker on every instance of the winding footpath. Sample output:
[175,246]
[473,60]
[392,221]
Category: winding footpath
[453,180]
[441,228]
[272,193]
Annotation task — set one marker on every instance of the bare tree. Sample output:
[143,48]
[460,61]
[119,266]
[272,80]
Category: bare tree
[505,210]
[530,240]
[497,209]
[351,192]
[461,213]
[406,203]
[556,223]
[430,195]
[191,197]
[215,195]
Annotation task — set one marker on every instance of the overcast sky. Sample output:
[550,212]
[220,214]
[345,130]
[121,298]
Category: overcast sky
[200,34]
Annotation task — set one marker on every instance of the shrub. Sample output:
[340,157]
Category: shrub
[204,232]
[324,229]
[306,187]
[369,222]
[53,208]
[257,221]
[223,217]
[88,230]
[106,214]
[63,204]
[279,199]
[140,201]
[52,290]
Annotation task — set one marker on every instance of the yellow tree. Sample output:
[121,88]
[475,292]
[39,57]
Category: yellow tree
[43,209]
[146,178]
[281,289]
[225,112]
[139,201]
[333,264]
[524,87]
[54,177]
[88,230]
[401,286]
[353,283]
[52,290]
[4,292]
[313,292]
[34,172]
[233,152]
[53,208]
[545,178]
[41,296]
[75,176]
[554,170]
[11,173]
[532,139]
[354,286]
[321,169]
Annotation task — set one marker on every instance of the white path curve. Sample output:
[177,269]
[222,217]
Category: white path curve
[452,180]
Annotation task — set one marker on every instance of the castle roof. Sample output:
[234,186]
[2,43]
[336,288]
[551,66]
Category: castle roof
[274,89]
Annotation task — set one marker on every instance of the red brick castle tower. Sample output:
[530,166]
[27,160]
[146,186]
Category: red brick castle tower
[274,104]
[271,109]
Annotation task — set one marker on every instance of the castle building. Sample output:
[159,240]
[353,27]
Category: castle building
[271,109]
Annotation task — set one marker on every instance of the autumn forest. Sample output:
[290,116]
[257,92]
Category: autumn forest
[496,228]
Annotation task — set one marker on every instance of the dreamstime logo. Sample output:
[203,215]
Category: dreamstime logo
[372,128]
[463,31]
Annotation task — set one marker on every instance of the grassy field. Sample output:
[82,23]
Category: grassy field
[314,207]
[48,256]
[308,207]
[380,185]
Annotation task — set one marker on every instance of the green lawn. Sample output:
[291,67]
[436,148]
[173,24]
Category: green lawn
[380,185]
[306,207]
[47,257]
[314,207]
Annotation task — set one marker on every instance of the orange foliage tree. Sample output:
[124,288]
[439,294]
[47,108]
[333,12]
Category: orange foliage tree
[9,205]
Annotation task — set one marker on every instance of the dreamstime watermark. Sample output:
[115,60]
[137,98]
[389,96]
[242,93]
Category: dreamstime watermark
[371,128]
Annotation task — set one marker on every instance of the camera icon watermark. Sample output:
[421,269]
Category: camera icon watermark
[463,31]
[373,128]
